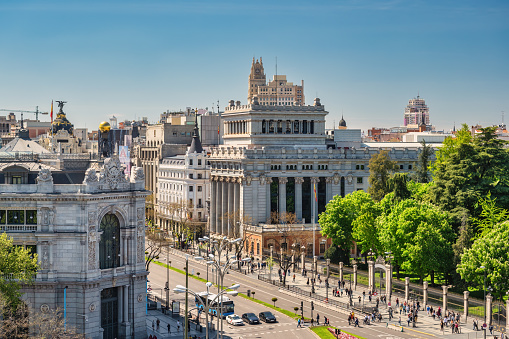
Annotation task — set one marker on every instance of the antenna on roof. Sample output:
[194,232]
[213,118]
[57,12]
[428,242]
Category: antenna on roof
[276,83]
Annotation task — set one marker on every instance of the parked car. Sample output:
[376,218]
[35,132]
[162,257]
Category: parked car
[250,318]
[267,317]
[234,319]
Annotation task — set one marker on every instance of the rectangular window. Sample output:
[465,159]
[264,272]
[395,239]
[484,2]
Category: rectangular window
[191,176]
[3,217]
[190,188]
[322,248]
[409,167]
[199,162]
[199,188]
[400,167]
[16,180]
[16,217]
[190,162]
[199,175]
[359,180]
[31,217]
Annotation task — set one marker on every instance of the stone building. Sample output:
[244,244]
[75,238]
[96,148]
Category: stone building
[275,159]
[87,229]
[277,92]
[183,185]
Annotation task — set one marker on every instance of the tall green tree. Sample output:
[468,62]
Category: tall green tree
[467,169]
[17,266]
[337,220]
[491,250]
[423,163]
[381,167]
[418,234]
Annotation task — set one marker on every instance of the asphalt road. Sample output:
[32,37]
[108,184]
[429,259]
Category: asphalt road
[266,292]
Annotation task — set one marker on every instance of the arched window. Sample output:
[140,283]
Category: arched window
[109,246]
[264,126]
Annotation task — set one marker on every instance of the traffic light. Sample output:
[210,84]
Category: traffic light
[312,306]
[301,305]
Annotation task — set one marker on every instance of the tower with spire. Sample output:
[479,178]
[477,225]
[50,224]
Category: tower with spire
[256,78]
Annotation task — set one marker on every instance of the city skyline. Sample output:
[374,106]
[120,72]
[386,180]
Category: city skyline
[363,59]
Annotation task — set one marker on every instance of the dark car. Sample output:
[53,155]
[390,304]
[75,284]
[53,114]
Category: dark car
[267,317]
[250,318]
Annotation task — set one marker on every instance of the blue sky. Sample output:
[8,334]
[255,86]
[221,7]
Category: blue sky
[364,58]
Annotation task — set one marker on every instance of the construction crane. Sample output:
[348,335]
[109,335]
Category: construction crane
[36,112]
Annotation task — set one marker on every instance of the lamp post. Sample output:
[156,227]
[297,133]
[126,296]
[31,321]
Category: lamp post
[167,287]
[389,257]
[484,290]
[222,269]
[233,292]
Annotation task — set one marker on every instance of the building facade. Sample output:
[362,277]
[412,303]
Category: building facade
[90,242]
[275,161]
[278,91]
[183,189]
[416,112]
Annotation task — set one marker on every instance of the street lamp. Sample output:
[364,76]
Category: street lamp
[371,255]
[222,269]
[389,257]
[233,292]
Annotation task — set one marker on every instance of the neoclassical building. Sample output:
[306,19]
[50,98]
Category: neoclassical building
[276,159]
[183,188]
[88,230]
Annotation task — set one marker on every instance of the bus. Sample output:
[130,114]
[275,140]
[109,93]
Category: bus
[228,306]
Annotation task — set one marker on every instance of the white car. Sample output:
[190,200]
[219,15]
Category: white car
[234,320]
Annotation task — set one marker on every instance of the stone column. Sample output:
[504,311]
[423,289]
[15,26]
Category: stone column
[465,304]
[328,189]
[489,303]
[282,195]
[124,250]
[236,205]
[388,282]
[231,206]
[315,264]
[355,277]
[224,209]
[219,204]
[371,276]
[507,314]
[298,198]
[407,288]
[213,197]
[126,304]
[341,271]
[425,294]
[303,260]
[268,181]
[444,298]
[314,184]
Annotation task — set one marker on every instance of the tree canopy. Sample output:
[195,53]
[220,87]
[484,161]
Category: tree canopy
[467,169]
[491,250]
[381,167]
[17,266]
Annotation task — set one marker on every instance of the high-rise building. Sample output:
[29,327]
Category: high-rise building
[278,91]
[416,112]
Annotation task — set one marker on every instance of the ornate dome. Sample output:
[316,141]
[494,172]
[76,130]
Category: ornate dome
[104,126]
[342,122]
[61,122]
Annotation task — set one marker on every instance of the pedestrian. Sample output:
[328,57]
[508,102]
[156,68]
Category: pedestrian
[294,278]
[178,326]
[491,329]
[158,322]
[399,321]
[298,322]
[169,328]
[317,319]
[150,337]
[153,325]
[312,322]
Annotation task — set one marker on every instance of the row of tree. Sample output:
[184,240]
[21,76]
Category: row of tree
[448,218]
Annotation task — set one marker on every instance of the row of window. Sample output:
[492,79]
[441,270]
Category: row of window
[288,127]
[294,167]
[18,217]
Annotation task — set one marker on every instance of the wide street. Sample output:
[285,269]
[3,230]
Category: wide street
[266,292]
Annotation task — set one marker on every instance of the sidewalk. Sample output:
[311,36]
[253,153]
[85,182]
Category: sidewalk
[424,325]
[162,332]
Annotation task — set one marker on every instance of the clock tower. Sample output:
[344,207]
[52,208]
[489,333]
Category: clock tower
[256,78]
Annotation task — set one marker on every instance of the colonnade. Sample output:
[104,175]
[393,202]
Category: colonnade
[225,205]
